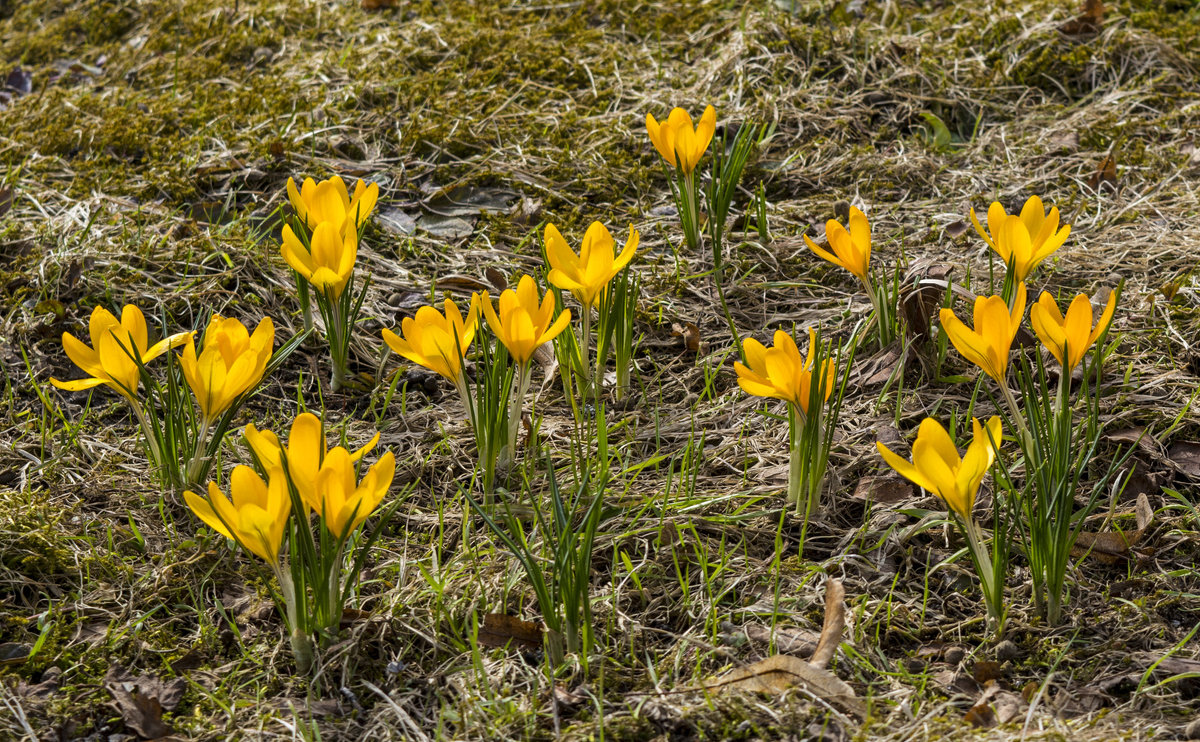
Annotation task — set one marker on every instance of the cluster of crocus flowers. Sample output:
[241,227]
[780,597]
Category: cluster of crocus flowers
[1024,241]
[303,476]
[324,478]
[118,349]
[230,363]
[937,468]
[322,248]
[682,144]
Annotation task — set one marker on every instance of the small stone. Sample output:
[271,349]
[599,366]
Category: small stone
[954,655]
[915,666]
[1007,650]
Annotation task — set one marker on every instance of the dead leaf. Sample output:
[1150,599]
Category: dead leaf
[1112,547]
[835,622]
[6,200]
[776,674]
[19,81]
[43,689]
[378,4]
[957,229]
[396,220]
[690,334]
[498,630]
[526,210]
[886,490]
[460,282]
[1185,457]
[496,277]
[141,701]
[994,706]
[1106,173]
[1137,434]
[1088,22]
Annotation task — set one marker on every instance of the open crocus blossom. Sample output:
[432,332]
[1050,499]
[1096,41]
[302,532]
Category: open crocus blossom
[989,343]
[1022,241]
[937,468]
[1069,337]
[329,262]
[587,274]
[679,143]
[525,320]
[256,514]
[305,452]
[110,359]
[329,201]
[342,502]
[851,248]
[438,341]
[779,371]
[230,364]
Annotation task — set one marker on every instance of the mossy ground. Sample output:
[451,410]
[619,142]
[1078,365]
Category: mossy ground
[147,164]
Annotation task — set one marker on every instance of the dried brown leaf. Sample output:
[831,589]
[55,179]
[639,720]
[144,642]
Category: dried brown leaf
[777,673]
[1185,456]
[1106,173]
[141,701]
[690,334]
[498,630]
[1112,547]
[835,622]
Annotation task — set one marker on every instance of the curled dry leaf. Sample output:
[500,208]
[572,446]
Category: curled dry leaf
[777,673]
[690,334]
[835,622]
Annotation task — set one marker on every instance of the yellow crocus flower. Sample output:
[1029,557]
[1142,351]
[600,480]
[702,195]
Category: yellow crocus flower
[329,201]
[435,340]
[305,452]
[110,359]
[231,362]
[679,143]
[525,321]
[256,517]
[587,274]
[1024,241]
[343,503]
[779,372]
[329,262]
[851,248]
[1069,337]
[937,468]
[989,343]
